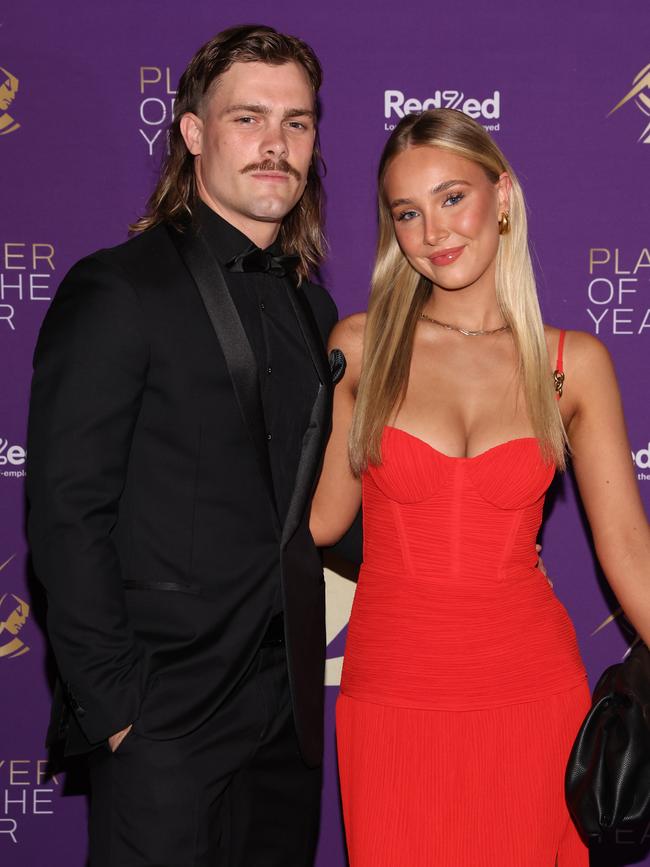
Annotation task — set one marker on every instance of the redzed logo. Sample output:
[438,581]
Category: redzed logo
[11,455]
[642,458]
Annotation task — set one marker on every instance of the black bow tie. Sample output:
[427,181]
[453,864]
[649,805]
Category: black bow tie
[255,259]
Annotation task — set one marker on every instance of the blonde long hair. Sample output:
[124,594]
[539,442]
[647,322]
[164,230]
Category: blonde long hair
[399,293]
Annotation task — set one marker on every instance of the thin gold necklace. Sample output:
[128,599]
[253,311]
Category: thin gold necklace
[463,330]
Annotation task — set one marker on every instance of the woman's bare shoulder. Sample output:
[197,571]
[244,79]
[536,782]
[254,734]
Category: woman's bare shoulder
[587,365]
[347,335]
[580,348]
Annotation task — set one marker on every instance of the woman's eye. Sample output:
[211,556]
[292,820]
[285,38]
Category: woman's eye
[453,199]
[405,216]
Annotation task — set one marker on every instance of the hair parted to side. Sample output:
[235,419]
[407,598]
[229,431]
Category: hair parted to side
[175,195]
[399,292]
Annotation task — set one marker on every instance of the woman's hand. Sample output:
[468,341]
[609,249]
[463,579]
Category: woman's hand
[540,565]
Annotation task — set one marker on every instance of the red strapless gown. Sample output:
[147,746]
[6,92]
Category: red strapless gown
[462,687]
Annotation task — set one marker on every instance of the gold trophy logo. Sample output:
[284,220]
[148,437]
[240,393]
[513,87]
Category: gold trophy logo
[14,612]
[640,93]
[8,91]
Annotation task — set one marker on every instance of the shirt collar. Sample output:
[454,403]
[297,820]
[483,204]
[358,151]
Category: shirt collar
[223,238]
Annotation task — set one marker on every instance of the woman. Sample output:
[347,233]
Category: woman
[463,687]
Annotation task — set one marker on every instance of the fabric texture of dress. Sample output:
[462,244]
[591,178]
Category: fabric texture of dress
[462,687]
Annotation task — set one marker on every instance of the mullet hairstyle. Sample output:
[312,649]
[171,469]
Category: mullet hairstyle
[175,195]
[399,293]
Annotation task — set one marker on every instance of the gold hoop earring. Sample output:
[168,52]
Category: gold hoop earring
[504,223]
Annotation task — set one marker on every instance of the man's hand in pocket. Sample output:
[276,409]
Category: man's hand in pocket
[115,740]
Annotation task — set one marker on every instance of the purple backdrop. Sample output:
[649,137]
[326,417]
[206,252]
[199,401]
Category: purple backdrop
[80,145]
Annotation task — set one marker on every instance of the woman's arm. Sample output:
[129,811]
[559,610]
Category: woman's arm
[605,475]
[338,495]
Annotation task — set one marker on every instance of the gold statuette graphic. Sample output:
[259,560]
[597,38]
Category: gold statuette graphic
[8,91]
[14,612]
[607,621]
[640,93]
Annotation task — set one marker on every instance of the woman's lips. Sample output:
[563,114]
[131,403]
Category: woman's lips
[446,257]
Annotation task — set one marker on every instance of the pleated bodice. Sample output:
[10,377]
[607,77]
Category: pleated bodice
[450,610]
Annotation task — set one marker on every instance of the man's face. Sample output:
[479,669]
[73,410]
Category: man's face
[253,143]
[8,89]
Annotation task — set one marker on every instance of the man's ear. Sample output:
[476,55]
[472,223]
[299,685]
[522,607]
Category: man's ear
[192,131]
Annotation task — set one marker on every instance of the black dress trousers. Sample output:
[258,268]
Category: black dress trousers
[233,793]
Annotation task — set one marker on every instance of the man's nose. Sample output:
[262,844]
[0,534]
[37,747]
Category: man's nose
[274,142]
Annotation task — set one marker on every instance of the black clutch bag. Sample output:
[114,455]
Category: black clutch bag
[607,781]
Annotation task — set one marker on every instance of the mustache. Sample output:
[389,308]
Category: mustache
[272,166]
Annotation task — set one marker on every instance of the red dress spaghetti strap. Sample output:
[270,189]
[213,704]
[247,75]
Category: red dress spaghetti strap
[462,686]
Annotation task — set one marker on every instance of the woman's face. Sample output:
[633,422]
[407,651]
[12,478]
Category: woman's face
[445,213]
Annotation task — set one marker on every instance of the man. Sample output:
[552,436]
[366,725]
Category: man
[180,407]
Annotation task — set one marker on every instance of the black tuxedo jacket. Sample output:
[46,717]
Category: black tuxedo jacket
[152,521]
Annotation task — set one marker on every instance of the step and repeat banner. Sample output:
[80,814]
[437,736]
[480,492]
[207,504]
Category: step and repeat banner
[86,93]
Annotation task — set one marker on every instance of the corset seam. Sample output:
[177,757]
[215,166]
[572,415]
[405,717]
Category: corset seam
[456,520]
[404,549]
[507,548]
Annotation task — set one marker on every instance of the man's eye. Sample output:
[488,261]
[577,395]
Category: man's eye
[245,120]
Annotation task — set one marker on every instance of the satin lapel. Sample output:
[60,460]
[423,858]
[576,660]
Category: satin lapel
[315,438]
[237,351]
[311,333]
